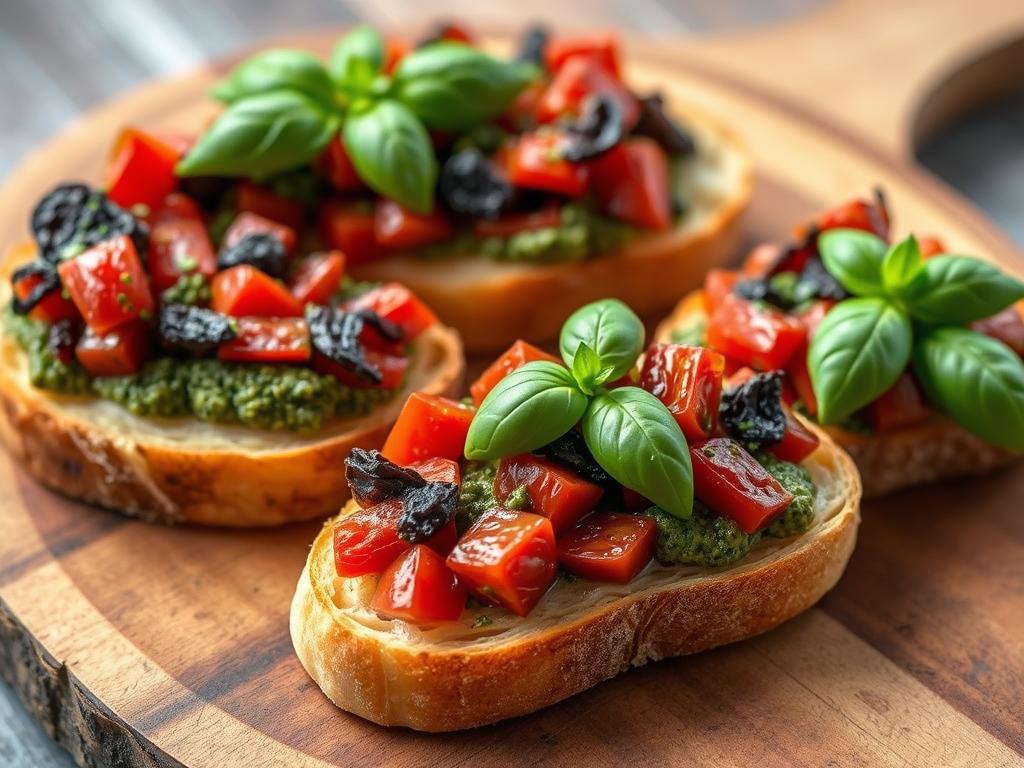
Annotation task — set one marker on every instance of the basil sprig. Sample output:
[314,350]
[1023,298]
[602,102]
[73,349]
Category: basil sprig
[283,107]
[906,309]
[630,432]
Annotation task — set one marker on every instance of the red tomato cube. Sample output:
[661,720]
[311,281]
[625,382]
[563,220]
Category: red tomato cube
[762,338]
[262,201]
[631,184]
[118,352]
[428,427]
[688,380]
[536,161]
[140,169]
[718,283]
[337,167]
[507,558]
[602,48]
[555,492]
[108,284]
[608,547]
[576,79]
[396,303]
[317,277]
[392,369]
[418,586]
[244,291]
[268,340]
[179,243]
[520,353]
[397,227]
[867,215]
[347,226]
[52,308]
[248,223]
[438,470]
[798,442]
[899,407]
[931,246]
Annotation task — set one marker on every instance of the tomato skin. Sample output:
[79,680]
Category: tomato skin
[869,216]
[718,283]
[1006,326]
[391,367]
[418,586]
[396,227]
[630,182]
[508,558]
[244,291]
[798,442]
[761,260]
[107,284]
[428,427]
[688,380]
[513,223]
[764,339]
[602,48]
[931,246]
[268,340]
[337,167]
[249,223]
[394,51]
[519,354]
[179,243]
[52,308]
[140,169]
[608,546]
[438,470]
[534,161]
[899,407]
[576,79]
[347,226]
[118,352]
[396,303]
[555,492]
[260,200]
[317,277]
[732,483]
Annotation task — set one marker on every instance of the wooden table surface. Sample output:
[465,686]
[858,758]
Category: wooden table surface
[61,57]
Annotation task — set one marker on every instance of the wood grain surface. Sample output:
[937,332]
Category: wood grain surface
[136,645]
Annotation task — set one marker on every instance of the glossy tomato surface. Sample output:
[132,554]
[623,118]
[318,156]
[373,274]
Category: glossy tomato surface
[398,227]
[118,352]
[397,304]
[798,442]
[140,169]
[52,308]
[348,226]
[107,284]
[555,492]
[608,546]
[268,340]
[536,161]
[418,586]
[688,380]
[520,353]
[760,337]
[576,79]
[245,291]
[428,427]
[317,277]
[179,243]
[718,283]
[630,182]
[602,48]
[249,223]
[261,200]
[899,407]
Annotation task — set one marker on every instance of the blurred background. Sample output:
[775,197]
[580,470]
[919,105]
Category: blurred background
[59,58]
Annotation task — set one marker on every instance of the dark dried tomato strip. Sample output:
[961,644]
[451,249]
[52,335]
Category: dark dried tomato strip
[374,479]
[335,335]
[427,510]
[48,283]
[656,124]
[752,412]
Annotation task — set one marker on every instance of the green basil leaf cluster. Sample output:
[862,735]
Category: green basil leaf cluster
[630,432]
[907,310]
[283,107]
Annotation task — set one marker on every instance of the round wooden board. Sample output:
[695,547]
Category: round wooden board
[139,645]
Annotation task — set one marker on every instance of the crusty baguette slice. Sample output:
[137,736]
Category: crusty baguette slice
[186,470]
[470,672]
[887,462]
[493,303]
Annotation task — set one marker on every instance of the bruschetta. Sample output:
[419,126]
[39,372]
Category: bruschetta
[909,355]
[577,517]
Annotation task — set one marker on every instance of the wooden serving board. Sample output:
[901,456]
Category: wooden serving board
[143,646]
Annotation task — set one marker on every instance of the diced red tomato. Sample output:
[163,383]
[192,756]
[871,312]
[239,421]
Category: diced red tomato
[513,223]
[317,277]
[249,223]
[521,113]
[428,427]
[508,558]
[799,377]
[761,260]
[762,338]
[451,32]
[798,442]
[418,586]
[601,48]
[244,291]
[391,367]
[519,354]
[107,284]
[179,141]
[555,492]
[688,380]
[337,167]
[347,226]
[268,340]
[608,547]
[438,470]
[1006,326]
[396,303]
[394,51]
[52,308]
[718,283]
[535,161]
[179,243]
[899,407]
[262,201]
[140,169]
[118,352]
[931,246]
[732,483]
[630,182]
[633,500]
[869,216]
[576,79]
[396,227]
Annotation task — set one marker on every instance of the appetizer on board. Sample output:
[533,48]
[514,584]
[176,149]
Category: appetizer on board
[909,355]
[576,517]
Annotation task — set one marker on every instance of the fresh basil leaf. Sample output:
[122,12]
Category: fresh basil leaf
[357,58]
[608,327]
[275,70]
[976,380]
[953,290]
[854,258]
[262,135]
[392,153]
[635,440]
[454,87]
[901,265]
[535,404]
[859,350]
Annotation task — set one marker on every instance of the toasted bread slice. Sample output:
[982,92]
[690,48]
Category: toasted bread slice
[890,461]
[471,672]
[492,303]
[190,471]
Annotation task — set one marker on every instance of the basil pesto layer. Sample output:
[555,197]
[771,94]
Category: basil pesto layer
[261,396]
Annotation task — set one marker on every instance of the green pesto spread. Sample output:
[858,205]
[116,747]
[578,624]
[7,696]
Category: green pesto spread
[260,396]
[192,289]
[799,515]
[476,496]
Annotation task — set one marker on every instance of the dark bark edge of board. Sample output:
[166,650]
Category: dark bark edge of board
[69,713]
